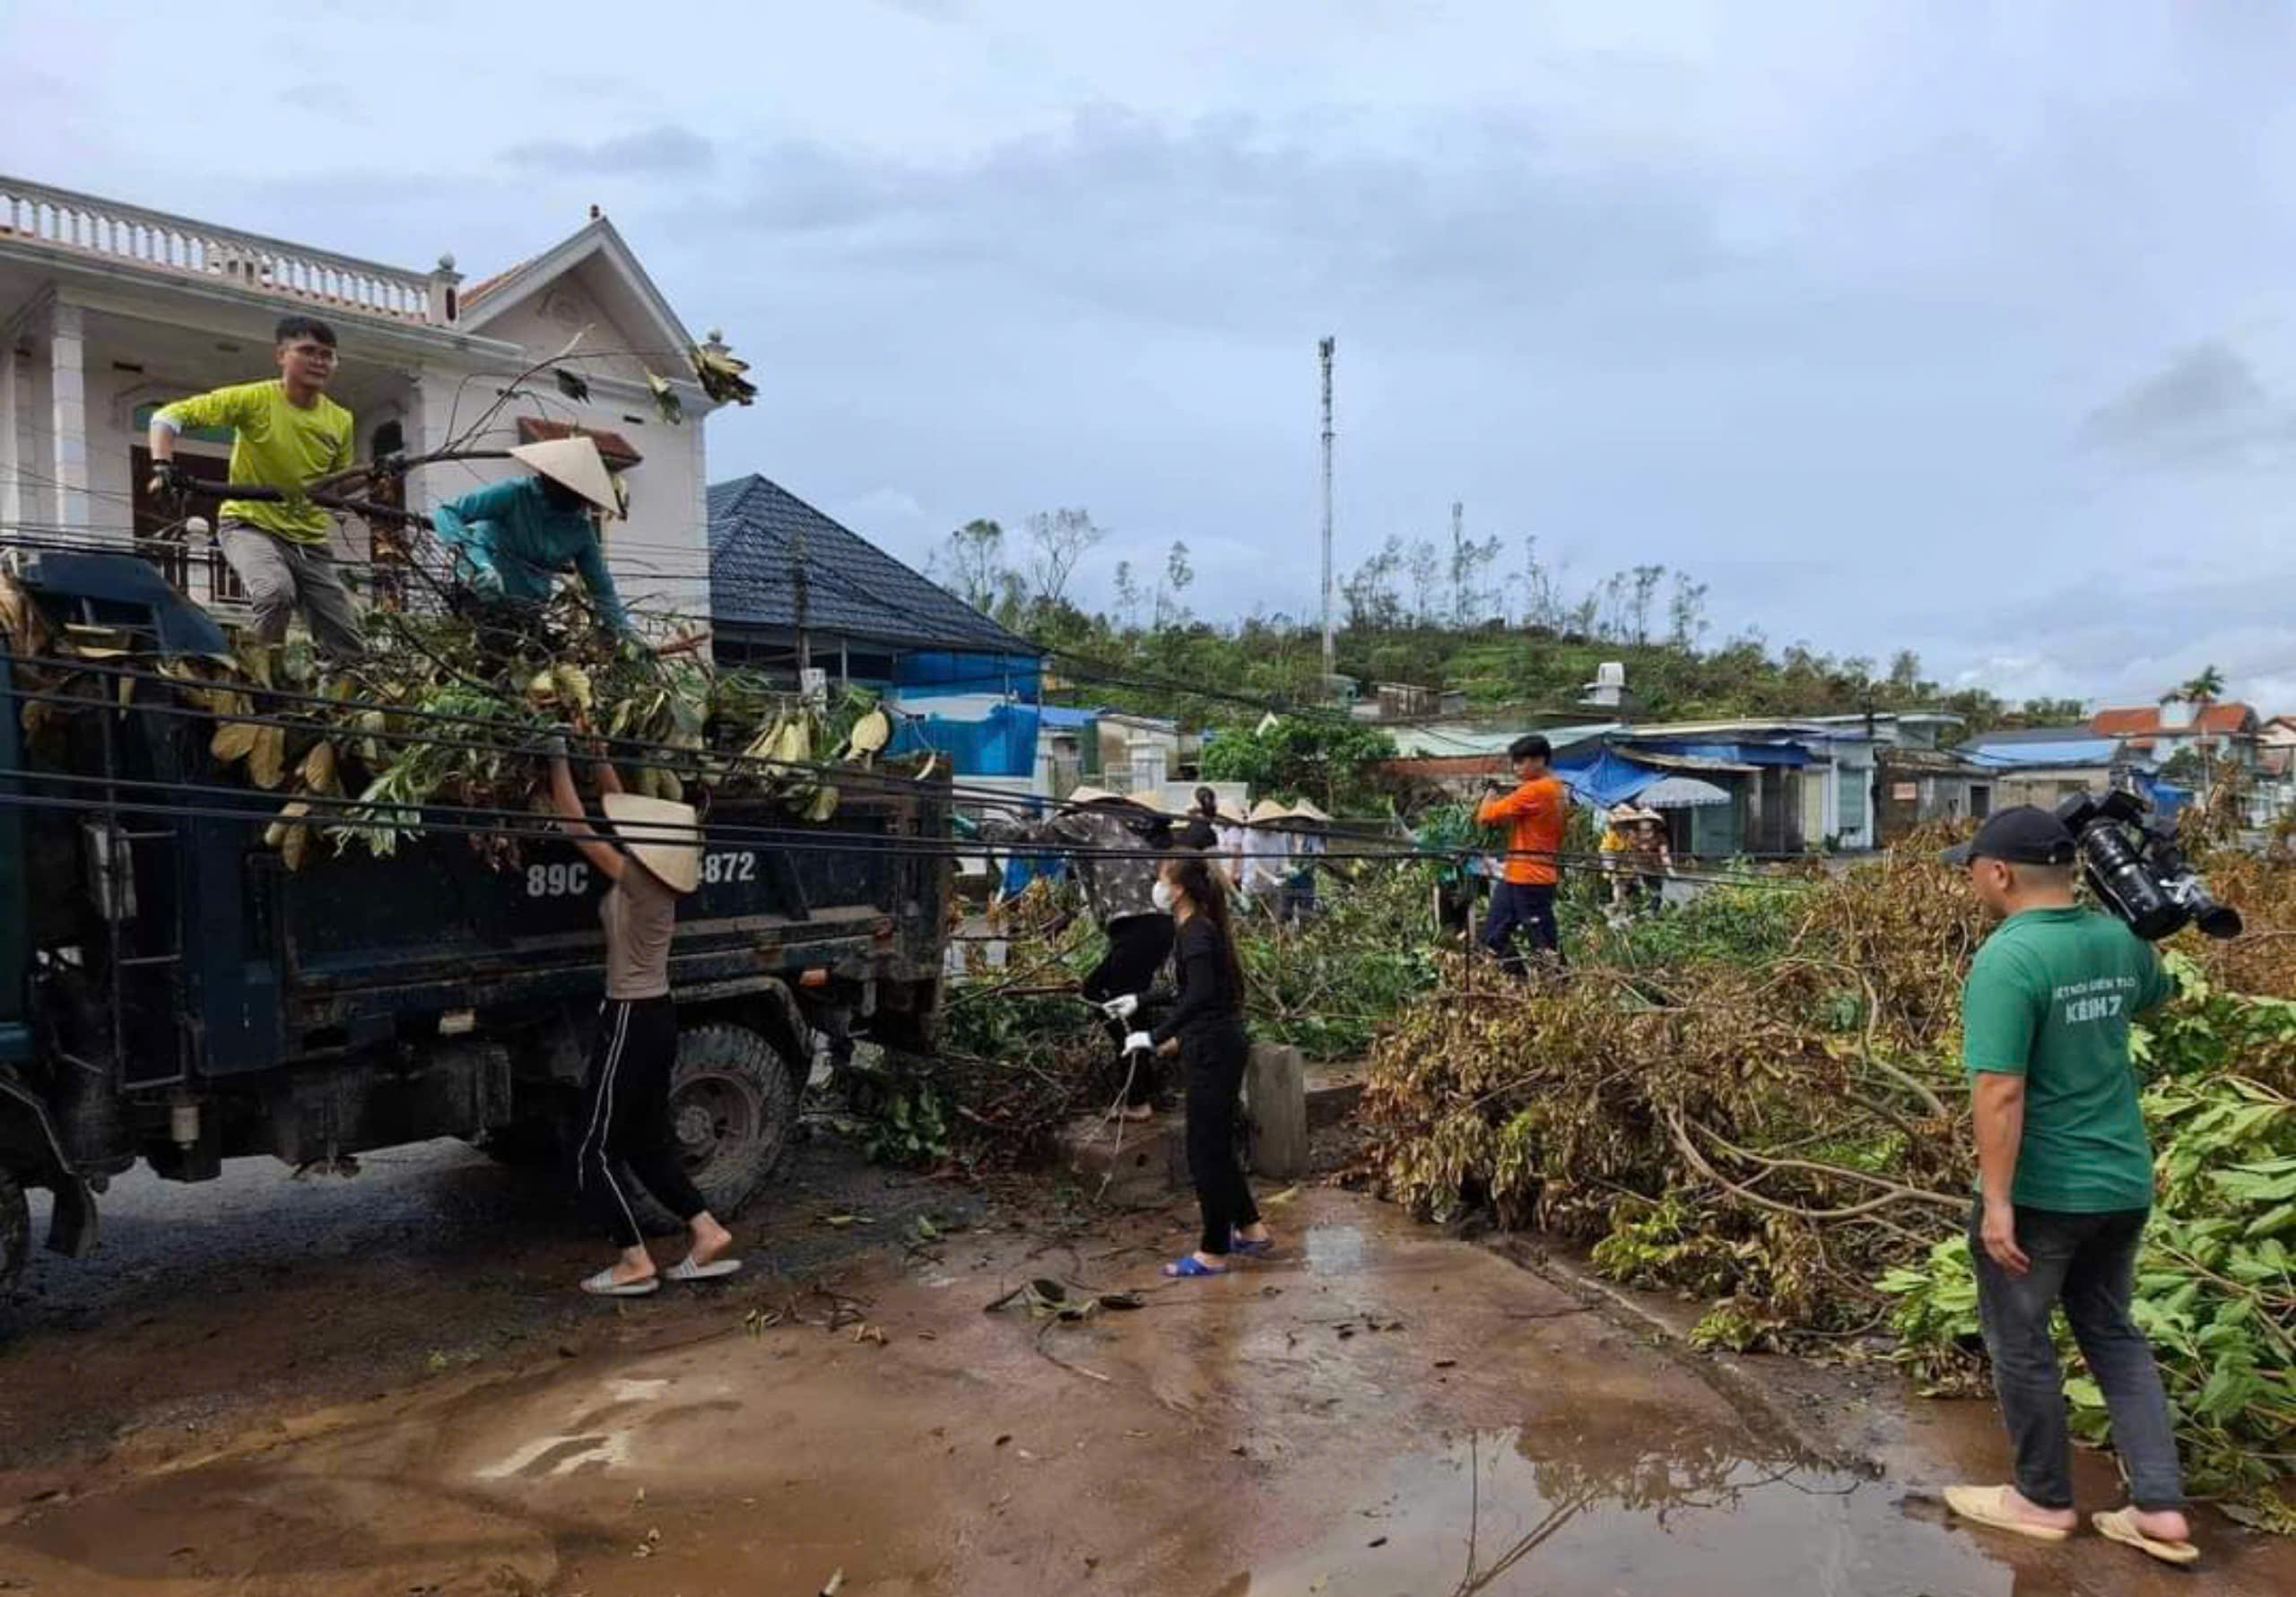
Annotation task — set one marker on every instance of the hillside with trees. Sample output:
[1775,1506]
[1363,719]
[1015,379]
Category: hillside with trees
[1517,640]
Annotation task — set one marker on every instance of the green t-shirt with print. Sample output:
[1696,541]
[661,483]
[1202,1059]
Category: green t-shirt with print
[2049,997]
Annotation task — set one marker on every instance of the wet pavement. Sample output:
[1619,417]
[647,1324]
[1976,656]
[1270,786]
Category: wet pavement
[1380,1411]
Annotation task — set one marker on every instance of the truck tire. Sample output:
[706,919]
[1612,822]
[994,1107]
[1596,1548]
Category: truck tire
[15,1230]
[733,1106]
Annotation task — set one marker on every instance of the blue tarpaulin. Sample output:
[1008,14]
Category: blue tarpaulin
[2167,797]
[1001,742]
[1608,776]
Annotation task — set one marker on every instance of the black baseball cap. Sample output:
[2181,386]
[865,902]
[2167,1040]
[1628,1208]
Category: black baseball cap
[2021,835]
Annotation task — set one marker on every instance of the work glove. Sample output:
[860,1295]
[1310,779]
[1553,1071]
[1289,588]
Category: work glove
[483,580]
[168,480]
[1139,1042]
[1122,1007]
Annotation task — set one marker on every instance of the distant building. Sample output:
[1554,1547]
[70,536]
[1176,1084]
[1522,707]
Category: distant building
[2226,731]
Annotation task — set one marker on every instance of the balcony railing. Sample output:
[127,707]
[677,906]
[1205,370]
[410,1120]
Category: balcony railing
[177,246]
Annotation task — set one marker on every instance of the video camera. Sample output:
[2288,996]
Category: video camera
[2131,862]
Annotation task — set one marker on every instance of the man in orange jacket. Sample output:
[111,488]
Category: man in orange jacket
[1524,896]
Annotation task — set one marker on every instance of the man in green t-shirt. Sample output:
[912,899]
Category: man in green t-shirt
[285,431]
[2064,1175]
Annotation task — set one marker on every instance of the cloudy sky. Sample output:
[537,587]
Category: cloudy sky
[1962,328]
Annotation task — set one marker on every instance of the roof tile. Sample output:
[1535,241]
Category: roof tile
[852,586]
[2228,717]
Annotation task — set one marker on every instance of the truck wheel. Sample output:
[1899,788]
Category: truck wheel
[733,1106]
[15,1230]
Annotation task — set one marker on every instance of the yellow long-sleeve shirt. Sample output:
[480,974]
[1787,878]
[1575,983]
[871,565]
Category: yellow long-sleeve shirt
[275,443]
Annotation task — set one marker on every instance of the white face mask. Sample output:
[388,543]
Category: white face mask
[1162,895]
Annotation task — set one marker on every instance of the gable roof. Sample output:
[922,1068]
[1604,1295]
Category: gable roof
[2228,716]
[662,333]
[852,588]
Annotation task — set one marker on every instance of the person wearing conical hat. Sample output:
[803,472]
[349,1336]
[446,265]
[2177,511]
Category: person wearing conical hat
[655,859]
[513,540]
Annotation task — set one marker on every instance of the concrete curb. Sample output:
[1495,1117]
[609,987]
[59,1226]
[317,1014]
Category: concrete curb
[1668,1322]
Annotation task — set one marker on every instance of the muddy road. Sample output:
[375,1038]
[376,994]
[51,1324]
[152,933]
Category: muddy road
[385,1387]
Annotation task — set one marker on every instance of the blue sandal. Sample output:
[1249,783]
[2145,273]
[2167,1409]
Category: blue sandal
[1190,1265]
[1245,1246]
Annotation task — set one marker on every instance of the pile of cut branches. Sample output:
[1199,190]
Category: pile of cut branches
[1758,1102]
[449,709]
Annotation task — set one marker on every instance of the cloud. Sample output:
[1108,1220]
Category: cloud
[662,150]
[2206,408]
[1230,222]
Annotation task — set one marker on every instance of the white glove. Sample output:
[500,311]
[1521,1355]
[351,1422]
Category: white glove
[1139,1042]
[1122,1007]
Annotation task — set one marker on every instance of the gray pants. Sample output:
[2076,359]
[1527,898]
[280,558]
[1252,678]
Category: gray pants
[2088,1263]
[282,576]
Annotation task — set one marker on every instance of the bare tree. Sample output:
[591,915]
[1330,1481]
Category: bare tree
[1127,594]
[1612,624]
[1061,538]
[1370,593]
[975,556]
[1646,590]
[1426,570]
[1686,612]
[1541,594]
[1470,561]
[1177,574]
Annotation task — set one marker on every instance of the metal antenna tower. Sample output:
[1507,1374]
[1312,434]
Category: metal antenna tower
[1324,349]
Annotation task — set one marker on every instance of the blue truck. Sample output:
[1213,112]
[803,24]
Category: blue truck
[171,992]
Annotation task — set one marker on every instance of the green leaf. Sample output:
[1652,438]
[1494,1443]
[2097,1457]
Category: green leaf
[2272,1221]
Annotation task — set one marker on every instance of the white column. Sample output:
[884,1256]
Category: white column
[68,414]
[12,443]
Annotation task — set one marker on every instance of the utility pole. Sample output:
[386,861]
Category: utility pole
[1322,354]
[798,586]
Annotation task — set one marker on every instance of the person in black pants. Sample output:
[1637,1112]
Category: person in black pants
[1205,1028]
[625,1113]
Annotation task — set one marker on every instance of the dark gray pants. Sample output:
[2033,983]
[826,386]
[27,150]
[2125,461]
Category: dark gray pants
[2087,1263]
[282,576]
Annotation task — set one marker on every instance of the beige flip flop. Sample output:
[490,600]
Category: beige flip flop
[2119,1525]
[1989,1506]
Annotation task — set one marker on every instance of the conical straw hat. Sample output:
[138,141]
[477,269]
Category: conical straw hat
[1101,795]
[1268,810]
[572,463]
[663,837]
[1305,810]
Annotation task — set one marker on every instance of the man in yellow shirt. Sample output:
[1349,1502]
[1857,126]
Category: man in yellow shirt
[285,432]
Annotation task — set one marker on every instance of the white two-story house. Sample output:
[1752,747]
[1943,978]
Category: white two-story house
[107,310]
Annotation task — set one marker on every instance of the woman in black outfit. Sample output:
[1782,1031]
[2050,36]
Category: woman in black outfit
[1205,1028]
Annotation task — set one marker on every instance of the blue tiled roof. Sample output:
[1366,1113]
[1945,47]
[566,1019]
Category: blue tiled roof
[853,587]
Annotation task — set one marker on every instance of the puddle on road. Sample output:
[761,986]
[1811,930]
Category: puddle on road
[1502,1513]
[1332,1250]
